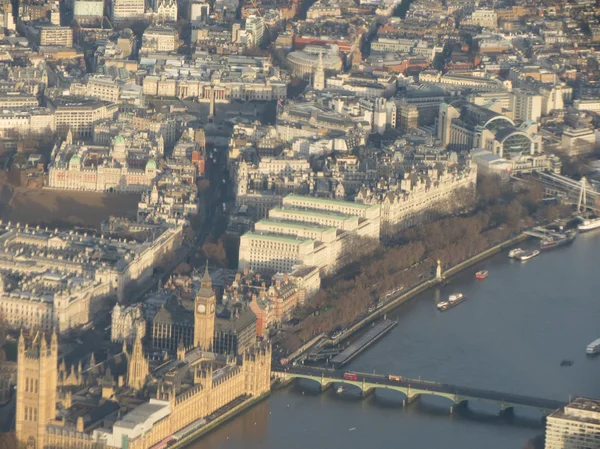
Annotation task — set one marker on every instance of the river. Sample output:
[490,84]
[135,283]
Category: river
[511,335]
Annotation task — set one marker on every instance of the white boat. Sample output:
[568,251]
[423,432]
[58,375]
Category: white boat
[526,255]
[588,224]
[455,297]
[515,252]
[442,304]
[593,347]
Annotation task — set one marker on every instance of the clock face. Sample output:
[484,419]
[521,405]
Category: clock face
[201,308]
[212,308]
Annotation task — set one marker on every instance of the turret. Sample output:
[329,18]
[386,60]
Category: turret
[21,348]
[54,342]
[43,345]
[180,351]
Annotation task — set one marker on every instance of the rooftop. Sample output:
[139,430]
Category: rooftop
[278,238]
[314,213]
[330,202]
[293,225]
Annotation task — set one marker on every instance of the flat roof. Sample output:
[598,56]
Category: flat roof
[294,225]
[589,411]
[316,213]
[278,238]
[315,200]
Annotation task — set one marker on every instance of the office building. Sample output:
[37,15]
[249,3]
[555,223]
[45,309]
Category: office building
[575,426]
[56,36]
[127,9]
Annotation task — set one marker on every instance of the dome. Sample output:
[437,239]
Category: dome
[75,159]
[119,140]
[151,164]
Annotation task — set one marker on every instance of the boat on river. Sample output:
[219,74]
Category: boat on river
[453,301]
[593,347]
[588,224]
[526,255]
[558,239]
[590,220]
[481,274]
[514,253]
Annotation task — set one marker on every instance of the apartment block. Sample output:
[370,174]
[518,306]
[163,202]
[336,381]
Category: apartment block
[575,426]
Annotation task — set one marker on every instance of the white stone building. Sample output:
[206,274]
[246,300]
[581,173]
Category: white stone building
[306,231]
[122,167]
[160,39]
[79,115]
[127,323]
[407,202]
[128,9]
[575,426]
[61,279]
[27,120]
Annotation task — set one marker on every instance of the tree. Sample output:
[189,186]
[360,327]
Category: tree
[551,212]
[215,253]
[489,188]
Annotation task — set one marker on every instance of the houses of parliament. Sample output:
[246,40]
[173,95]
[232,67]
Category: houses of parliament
[131,399]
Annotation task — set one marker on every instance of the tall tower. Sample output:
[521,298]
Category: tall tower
[319,77]
[379,116]
[137,370]
[37,380]
[204,314]
[211,110]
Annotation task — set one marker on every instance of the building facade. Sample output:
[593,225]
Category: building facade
[50,279]
[575,426]
[183,391]
[127,9]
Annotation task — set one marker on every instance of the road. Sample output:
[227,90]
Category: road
[417,384]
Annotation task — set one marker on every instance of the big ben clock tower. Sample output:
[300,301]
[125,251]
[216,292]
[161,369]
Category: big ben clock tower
[204,314]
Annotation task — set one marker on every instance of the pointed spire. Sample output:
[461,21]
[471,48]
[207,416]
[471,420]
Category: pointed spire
[44,343]
[124,349]
[21,341]
[54,341]
[180,351]
[206,280]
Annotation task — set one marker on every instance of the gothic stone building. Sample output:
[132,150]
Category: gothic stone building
[131,400]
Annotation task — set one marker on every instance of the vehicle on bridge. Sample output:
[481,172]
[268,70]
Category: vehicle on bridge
[395,378]
[350,376]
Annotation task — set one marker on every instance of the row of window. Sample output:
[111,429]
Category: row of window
[31,414]
[31,385]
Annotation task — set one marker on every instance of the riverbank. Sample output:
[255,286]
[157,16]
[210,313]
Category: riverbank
[222,419]
[401,299]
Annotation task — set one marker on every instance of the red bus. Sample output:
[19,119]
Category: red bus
[350,376]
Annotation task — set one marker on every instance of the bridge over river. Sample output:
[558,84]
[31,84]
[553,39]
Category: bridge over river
[413,388]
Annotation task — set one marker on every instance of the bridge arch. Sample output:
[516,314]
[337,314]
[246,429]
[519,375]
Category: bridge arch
[312,383]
